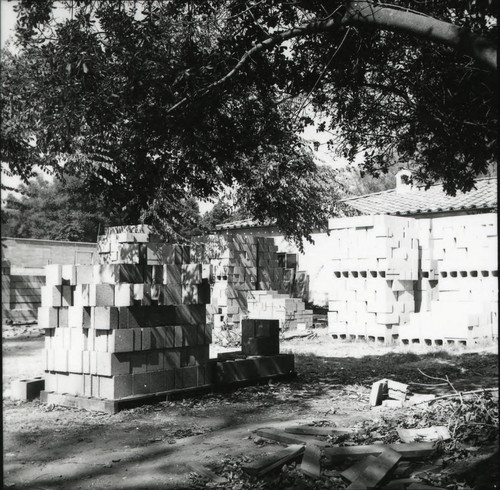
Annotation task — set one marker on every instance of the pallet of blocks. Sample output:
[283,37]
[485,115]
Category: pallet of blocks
[291,312]
[239,264]
[375,267]
[132,326]
[464,305]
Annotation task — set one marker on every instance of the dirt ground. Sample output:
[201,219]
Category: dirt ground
[152,446]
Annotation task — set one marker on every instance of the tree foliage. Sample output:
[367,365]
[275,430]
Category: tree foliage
[58,210]
[154,101]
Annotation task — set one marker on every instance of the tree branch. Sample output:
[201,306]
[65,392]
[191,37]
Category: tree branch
[274,40]
[409,22]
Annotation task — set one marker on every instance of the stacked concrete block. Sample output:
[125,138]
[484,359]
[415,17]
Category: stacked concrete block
[374,268]
[5,288]
[464,306]
[260,337]
[254,368]
[238,264]
[428,280]
[135,324]
[291,312]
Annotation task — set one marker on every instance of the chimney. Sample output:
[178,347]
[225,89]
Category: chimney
[403,182]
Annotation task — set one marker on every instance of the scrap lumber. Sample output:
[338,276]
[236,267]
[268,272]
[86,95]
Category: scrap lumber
[376,471]
[399,484]
[268,463]
[318,431]
[281,436]
[392,403]
[416,450]
[311,465]
[378,393]
[396,390]
[428,434]
[354,471]
[291,335]
[418,398]
[206,473]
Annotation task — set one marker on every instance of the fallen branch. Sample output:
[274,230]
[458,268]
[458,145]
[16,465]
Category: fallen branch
[459,395]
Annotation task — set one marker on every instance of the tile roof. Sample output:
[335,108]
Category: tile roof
[418,200]
[243,223]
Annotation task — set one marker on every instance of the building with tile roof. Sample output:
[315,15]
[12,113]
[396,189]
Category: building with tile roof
[414,201]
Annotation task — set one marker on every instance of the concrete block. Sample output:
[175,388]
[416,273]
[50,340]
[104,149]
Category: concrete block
[190,314]
[115,387]
[51,296]
[190,335]
[158,381]
[84,274]
[137,339]
[191,274]
[68,275]
[172,274]
[104,294]
[53,275]
[66,296]
[61,360]
[153,274]
[124,294]
[141,383]
[62,317]
[78,317]
[171,359]
[50,382]
[171,294]
[146,338]
[86,362]
[162,337]
[139,362]
[47,317]
[189,295]
[112,364]
[101,338]
[121,341]
[104,317]
[78,339]
[178,336]
[75,361]
[155,361]
[132,253]
[190,376]
[126,237]
[131,273]
[27,389]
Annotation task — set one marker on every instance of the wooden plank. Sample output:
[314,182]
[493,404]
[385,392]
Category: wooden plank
[318,431]
[427,434]
[268,463]
[280,436]
[400,484]
[396,390]
[375,472]
[379,390]
[311,462]
[206,473]
[408,451]
[353,472]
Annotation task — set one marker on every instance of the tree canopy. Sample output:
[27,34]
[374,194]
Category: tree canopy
[154,101]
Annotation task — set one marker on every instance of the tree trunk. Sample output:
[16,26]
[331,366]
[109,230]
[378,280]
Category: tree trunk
[420,25]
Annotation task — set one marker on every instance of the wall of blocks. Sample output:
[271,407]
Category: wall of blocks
[134,324]
[238,265]
[290,312]
[427,280]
